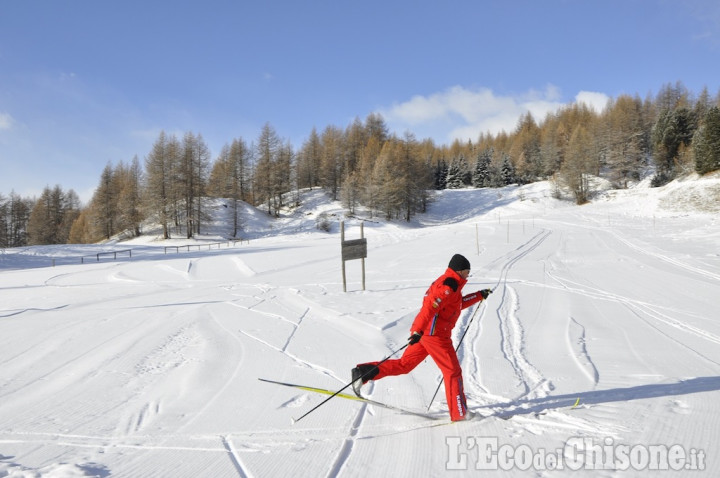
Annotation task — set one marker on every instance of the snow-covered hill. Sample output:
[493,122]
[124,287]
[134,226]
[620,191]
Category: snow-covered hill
[148,365]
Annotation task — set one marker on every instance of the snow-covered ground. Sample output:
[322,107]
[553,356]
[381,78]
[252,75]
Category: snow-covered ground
[147,365]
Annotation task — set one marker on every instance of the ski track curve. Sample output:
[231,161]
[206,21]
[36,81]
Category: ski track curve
[471,368]
[284,348]
[226,442]
[235,458]
[664,258]
[649,313]
[511,329]
[346,450]
[298,310]
[513,348]
[644,311]
[577,344]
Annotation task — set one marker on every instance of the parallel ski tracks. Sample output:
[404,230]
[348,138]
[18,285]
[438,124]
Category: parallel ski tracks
[511,329]
[513,348]
[641,309]
[655,316]
[669,260]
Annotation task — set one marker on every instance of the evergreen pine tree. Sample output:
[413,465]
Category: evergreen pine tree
[4,222]
[458,175]
[706,142]
[481,172]
[440,174]
[507,171]
[673,130]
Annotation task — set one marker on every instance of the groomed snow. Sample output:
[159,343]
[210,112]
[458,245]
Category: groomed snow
[147,365]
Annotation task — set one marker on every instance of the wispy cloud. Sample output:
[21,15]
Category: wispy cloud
[707,14]
[6,121]
[594,100]
[464,113]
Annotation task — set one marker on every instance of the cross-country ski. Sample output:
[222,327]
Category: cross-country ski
[346,396]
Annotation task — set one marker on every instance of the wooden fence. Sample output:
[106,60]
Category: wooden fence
[114,255]
[199,247]
[128,252]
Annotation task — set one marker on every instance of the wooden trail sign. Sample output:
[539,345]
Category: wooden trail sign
[354,249]
[351,250]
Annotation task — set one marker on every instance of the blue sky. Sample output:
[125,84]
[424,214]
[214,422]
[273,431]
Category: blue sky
[87,82]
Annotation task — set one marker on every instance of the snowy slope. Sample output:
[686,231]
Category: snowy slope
[148,366]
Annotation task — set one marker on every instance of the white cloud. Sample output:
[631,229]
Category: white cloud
[463,113]
[6,121]
[594,100]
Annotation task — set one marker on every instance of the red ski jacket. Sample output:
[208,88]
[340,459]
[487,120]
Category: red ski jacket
[442,304]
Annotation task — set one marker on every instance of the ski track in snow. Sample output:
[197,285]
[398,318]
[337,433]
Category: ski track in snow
[235,458]
[578,345]
[530,379]
[666,258]
[346,449]
[646,312]
[471,368]
[510,325]
[284,348]
[270,295]
[642,309]
[513,348]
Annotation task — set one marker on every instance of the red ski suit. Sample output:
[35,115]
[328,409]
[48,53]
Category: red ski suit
[440,311]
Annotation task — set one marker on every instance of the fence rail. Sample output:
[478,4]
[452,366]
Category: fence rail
[199,247]
[128,252]
[114,254]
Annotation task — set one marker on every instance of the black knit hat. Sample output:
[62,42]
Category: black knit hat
[459,263]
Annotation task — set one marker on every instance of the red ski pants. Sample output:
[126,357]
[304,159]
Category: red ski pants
[443,353]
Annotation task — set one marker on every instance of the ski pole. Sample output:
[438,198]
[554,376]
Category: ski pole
[346,386]
[456,349]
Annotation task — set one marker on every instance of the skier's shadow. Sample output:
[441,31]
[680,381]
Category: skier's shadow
[640,392]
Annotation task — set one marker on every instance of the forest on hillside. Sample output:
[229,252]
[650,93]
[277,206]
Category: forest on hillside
[676,132]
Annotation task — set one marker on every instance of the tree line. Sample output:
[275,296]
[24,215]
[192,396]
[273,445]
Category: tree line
[363,165]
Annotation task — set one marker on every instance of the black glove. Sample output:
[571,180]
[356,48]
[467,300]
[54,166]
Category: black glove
[415,338]
[485,293]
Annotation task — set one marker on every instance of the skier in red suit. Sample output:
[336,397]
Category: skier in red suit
[431,335]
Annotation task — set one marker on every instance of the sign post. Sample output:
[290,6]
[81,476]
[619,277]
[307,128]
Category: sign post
[352,249]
